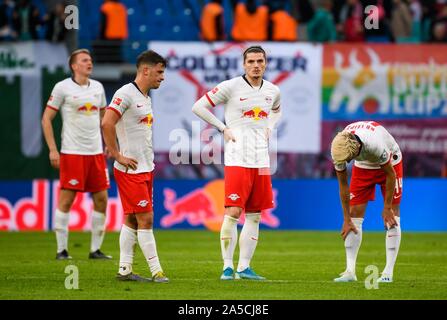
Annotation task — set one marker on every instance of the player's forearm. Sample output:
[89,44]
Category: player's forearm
[390,184]
[109,136]
[344,193]
[48,133]
[201,110]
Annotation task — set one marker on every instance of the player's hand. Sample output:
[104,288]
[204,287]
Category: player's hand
[348,226]
[129,163]
[107,152]
[228,135]
[55,159]
[388,218]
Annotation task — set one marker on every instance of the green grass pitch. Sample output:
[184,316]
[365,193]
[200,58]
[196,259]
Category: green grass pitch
[298,265]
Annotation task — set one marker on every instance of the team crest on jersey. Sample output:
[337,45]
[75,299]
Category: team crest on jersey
[256,113]
[268,99]
[117,101]
[88,108]
[143,203]
[50,98]
[384,156]
[147,120]
[215,90]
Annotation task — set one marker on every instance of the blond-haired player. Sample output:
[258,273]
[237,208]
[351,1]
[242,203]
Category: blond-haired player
[378,160]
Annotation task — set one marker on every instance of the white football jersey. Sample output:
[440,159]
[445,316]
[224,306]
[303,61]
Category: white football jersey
[378,148]
[247,110]
[80,111]
[134,129]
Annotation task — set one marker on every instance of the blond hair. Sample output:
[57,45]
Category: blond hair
[344,147]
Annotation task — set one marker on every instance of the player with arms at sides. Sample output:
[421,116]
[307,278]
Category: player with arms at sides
[378,160]
[81,163]
[252,109]
[130,117]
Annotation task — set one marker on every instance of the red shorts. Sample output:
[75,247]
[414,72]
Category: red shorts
[135,191]
[248,188]
[86,173]
[363,184]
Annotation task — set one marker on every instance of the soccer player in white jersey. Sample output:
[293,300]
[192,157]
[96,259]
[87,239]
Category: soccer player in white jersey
[252,109]
[82,165]
[378,160]
[129,117]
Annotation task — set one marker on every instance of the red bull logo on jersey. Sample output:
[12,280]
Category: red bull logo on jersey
[88,108]
[147,120]
[256,113]
[205,206]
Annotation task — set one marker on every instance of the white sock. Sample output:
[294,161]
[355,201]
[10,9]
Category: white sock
[228,240]
[98,230]
[248,240]
[61,220]
[128,240]
[392,244]
[352,245]
[146,240]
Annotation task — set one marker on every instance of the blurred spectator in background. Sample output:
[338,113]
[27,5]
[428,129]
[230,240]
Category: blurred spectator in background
[401,20]
[321,28]
[282,26]
[416,10]
[303,11]
[114,30]
[351,21]
[55,23]
[26,20]
[428,15]
[7,32]
[113,20]
[439,30]
[250,22]
[212,22]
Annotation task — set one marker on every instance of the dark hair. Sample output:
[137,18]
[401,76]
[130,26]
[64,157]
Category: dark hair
[150,57]
[74,54]
[254,49]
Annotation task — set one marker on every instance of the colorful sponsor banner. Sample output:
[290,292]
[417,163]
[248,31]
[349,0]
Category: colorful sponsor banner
[196,67]
[384,81]
[198,204]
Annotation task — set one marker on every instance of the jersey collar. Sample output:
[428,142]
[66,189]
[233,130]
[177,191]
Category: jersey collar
[246,80]
[136,86]
[73,79]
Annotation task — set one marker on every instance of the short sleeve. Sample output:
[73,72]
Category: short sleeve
[120,103]
[277,101]
[385,156]
[380,151]
[220,94]
[56,99]
[103,99]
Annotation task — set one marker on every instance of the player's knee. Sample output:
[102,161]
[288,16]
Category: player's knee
[65,204]
[145,220]
[100,202]
[234,212]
